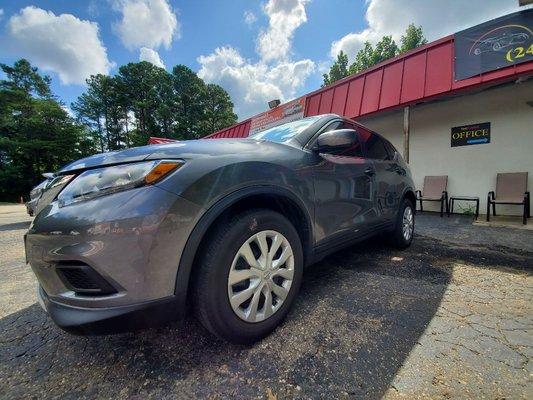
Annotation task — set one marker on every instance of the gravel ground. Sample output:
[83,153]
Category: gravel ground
[451,317]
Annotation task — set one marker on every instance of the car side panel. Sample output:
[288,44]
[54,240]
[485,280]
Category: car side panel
[390,185]
[344,202]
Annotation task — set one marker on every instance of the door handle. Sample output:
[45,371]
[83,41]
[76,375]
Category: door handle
[369,172]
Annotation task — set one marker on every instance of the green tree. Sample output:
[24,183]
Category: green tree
[189,91]
[138,86]
[386,48]
[370,55]
[218,110]
[36,133]
[101,108]
[25,78]
[90,113]
[413,38]
[143,100]
[363,59]
[338,70]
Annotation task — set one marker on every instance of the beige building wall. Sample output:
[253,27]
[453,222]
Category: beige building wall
[471,169]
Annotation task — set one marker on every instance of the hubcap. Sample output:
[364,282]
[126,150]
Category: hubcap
[408,223]
[261,276]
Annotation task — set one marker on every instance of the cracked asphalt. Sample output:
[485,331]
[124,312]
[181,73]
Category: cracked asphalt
[451,317]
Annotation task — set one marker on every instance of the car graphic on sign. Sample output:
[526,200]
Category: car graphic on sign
[496,43]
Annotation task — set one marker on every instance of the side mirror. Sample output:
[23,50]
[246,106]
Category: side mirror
[337,140]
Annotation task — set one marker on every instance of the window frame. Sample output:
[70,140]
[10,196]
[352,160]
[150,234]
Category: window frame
[383,141]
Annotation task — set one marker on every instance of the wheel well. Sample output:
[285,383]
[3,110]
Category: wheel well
[276,202]
[410,196]
[279,203]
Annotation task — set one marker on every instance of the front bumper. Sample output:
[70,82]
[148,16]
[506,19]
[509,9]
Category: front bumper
[101,321]
[133,240]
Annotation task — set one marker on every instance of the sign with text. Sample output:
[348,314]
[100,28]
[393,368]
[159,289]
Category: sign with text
[495,44]
[291,111]
[471,134]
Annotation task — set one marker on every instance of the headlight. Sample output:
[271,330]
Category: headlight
[102,181]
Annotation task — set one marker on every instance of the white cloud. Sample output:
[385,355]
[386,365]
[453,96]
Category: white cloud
[62,43]
[93,9]
[146,23]
[285,16]
[151,56]
[1,13]
[249,18]
[252,85]
[438,18]
[275,75]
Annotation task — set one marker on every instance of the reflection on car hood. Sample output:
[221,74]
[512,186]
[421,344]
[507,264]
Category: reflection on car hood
[186,149]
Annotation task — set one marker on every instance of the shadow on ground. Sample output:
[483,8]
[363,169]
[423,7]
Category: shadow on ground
[15,226]
[358,315]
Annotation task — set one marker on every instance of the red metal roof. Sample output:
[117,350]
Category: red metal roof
[420,75]
[240,129]
[158,140]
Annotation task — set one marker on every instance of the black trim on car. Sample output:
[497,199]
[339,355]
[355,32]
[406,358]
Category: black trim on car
[82,279]
[339,242]
[101,321]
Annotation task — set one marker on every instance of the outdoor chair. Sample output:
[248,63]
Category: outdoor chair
[511,188]
[434,190]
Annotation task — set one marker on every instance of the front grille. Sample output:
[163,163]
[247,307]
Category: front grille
[82,279]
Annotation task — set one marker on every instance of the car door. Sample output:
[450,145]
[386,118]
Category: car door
[343,184]
[389,184]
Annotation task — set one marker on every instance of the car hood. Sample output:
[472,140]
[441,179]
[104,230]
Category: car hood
[186,149]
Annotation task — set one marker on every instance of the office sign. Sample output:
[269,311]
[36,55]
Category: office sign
[495,44]
[470,134]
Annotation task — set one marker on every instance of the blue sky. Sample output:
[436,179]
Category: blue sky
[280,50]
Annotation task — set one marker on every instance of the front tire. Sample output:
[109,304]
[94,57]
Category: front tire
[403,232]
[250,272]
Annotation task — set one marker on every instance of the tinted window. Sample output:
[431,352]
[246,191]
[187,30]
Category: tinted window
[375,148]
[285,132]
[390,148]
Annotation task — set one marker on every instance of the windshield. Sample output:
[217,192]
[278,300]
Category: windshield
[285,132]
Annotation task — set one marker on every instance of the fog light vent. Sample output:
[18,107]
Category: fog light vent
[82,279]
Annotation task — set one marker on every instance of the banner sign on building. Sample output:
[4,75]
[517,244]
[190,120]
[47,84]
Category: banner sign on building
[471,134]
[291,111]
[494,44]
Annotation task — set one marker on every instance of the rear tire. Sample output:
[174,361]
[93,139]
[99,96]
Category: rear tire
[234,293]
[403,232]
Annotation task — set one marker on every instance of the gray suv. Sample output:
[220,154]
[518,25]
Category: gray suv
[132,238]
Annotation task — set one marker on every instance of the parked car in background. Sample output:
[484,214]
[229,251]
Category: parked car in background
[36,192]
[128,239]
